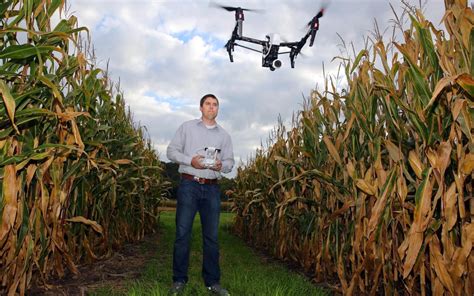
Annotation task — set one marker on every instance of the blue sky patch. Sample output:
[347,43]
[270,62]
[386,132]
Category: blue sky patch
[174,102]
[186,36]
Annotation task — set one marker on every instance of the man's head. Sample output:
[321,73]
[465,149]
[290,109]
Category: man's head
[209,106]
[208,96]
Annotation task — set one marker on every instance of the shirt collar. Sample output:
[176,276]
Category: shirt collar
[201,122]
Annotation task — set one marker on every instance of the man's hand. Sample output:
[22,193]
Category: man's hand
[197,163]
[218,166]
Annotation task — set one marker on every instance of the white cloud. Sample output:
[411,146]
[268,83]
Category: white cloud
[167,54]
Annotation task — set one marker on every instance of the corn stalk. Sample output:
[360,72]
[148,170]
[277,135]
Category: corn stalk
[372,185]
[77,176]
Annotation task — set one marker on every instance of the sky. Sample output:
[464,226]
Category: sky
[167,54]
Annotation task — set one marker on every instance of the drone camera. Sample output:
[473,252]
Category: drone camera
[277,63]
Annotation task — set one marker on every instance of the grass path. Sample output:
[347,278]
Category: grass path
[243,272]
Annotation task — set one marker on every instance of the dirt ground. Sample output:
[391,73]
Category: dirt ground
[127,263]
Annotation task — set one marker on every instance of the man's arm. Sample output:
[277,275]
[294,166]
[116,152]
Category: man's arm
[175,150]
[227,154]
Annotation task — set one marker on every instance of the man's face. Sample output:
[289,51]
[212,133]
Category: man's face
[209,108]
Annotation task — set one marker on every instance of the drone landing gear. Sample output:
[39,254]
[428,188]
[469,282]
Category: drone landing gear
[231,57]
[292,62]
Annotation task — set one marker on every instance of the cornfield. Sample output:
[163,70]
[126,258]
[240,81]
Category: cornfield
[77,176]
[371,188]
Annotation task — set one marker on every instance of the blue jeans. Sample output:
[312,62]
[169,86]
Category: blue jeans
[205,198]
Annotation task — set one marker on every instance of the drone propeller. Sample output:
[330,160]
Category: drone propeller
[232,8]
[320,13]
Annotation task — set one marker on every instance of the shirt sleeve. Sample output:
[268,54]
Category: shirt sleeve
[175,150]
[227,154]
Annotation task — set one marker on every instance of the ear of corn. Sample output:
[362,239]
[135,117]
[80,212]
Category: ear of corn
[77,176]
[372,185]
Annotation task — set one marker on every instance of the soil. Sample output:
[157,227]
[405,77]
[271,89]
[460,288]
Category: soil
[125,264]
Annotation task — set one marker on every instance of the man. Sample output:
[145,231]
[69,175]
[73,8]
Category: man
[198,191]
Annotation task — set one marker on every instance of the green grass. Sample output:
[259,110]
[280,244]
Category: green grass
[243,271]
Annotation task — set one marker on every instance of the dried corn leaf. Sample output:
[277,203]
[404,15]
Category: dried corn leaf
[9,102]
[450,210]
[467,164]
[332,149]
[439,265]
[10,202]
[415,163]
[366,187]
[83,220]
[393,150]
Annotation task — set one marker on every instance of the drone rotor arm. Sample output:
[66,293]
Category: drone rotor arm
[313,30]
[252,40]
[314,26]
[249,48]
[289,44]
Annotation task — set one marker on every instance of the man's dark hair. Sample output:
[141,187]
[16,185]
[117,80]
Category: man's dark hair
[208,96]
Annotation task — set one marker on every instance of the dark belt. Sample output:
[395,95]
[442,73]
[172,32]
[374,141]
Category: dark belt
[199,180]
